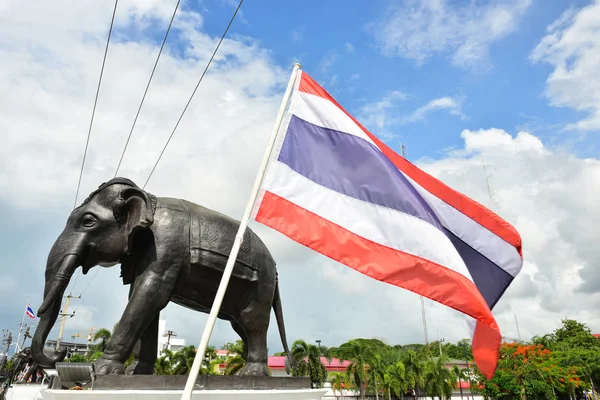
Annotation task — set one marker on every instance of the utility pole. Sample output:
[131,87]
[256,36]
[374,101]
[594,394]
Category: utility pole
[518,331]
[487,182]
[423,315]
[64,316]
[7,341]
[168,334]
[26,336]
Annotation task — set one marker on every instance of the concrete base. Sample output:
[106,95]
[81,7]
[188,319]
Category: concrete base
[170,387]
[176,382]
[293,394]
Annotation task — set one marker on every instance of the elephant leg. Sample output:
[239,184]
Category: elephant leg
[145,350]
[242,334]
[151,293]
[255,323]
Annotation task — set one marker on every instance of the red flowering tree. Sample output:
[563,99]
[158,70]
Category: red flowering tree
[529,372]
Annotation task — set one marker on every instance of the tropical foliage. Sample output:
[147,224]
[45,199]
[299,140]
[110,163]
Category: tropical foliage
[560,365]
[308,362]
[180,362]
[237,361]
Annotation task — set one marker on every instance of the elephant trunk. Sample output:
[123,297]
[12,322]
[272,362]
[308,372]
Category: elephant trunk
[59,283]
[58,274]
[44,327]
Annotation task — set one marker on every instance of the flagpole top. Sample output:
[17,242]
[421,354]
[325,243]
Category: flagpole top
[297,65]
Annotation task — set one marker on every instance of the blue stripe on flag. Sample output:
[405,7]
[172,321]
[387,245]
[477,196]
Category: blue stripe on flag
[490,279]
[351,166]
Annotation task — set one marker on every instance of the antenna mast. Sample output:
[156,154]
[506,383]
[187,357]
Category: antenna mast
[495,203]
[423,316]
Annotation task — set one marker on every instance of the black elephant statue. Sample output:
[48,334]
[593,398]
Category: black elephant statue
[169,250]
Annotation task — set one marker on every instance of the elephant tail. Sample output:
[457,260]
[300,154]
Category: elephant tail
[290,361]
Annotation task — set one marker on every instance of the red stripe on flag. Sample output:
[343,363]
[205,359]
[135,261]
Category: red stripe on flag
[388,265]
[459,201]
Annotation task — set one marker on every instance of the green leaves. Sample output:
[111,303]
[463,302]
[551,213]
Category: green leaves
[308,362]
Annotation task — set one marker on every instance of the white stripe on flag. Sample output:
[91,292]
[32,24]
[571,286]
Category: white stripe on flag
[382,225]
[496,249]
[322,112]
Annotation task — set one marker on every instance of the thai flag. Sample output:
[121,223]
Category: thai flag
[30,312]
[336,188]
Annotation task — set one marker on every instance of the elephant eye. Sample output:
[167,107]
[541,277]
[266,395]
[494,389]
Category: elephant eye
[89,221]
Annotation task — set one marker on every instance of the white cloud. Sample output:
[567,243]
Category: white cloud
[549,196]
[377,113]
[572,48]
[382,114]
[451,104]
[419,30]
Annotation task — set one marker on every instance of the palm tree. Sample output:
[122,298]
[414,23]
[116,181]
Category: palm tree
[337,382]
[415,370]
[308,362]
[236,363]
[358,353]
[439,380]
[102,334]
[394,380]
[460,375]
[164,364]
[183,360]
[376,372]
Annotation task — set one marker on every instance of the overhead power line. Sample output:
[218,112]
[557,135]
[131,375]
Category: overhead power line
[95,102]
[112,21]
[147,86]
[194,92]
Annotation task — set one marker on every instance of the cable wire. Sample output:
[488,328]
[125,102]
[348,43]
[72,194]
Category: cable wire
[93,113]
[194,92]
[95,102]
[134,121]
[147,87]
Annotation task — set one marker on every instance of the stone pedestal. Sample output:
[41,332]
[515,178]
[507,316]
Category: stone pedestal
[170,387]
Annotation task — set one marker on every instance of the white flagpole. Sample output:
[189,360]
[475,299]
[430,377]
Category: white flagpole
[20,329]
[212,317]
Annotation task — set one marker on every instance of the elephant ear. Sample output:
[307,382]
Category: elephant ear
[135,211]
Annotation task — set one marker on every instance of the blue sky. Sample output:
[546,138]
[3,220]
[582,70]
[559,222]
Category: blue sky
[451,80]
[509,95]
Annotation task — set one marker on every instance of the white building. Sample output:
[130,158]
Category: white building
[167,339]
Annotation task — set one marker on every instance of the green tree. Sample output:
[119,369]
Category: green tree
[458,351]
[415,370]
[529,372]
[235,363]
[308,362]
[336,380]
[103,334]
[394,380]
[575,334]
[164,363]
[461,376]
[438,380]
[182,361]
[77,358]
[359,352]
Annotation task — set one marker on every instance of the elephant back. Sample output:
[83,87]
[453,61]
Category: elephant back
[211,238]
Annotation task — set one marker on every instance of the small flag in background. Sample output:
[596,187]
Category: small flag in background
[336,188]
[30,312]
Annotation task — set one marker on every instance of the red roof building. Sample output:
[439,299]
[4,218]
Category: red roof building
[277,363]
